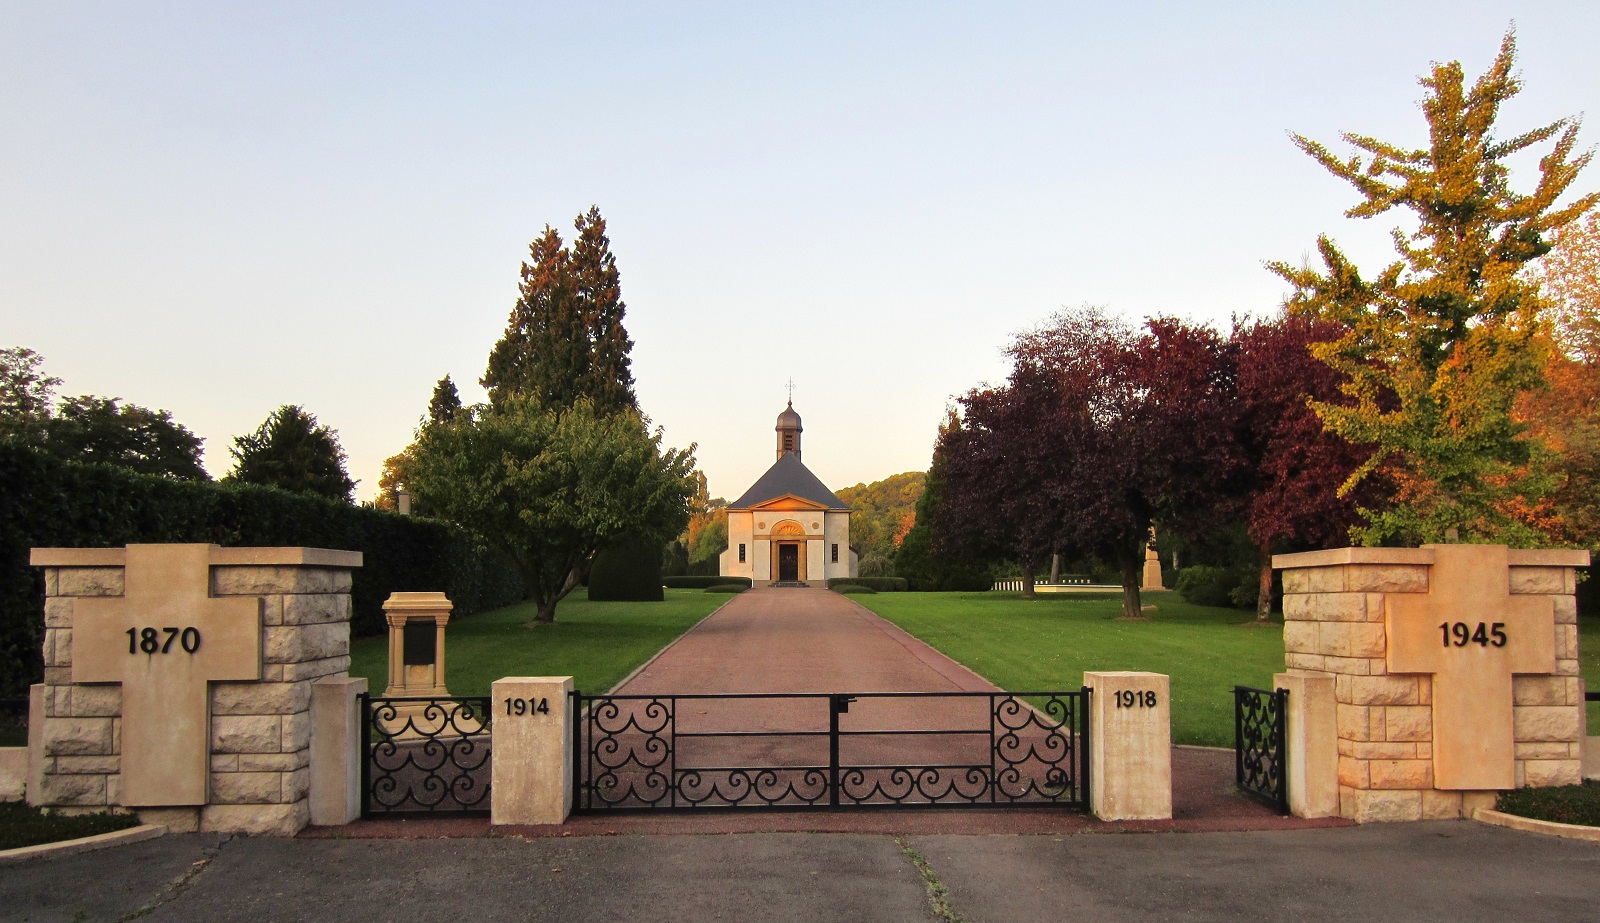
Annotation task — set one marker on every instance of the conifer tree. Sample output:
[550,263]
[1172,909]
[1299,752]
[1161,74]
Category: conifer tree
[565,339]
[292,451]
[446,402]
[1436,347]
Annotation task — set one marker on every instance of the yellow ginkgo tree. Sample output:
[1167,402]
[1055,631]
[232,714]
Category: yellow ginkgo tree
[1436,348]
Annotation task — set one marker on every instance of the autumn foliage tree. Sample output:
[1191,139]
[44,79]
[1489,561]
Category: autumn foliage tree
[1287,487]
[1436,347]
[1101,431]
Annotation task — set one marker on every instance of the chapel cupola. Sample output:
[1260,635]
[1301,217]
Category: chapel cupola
[789,432]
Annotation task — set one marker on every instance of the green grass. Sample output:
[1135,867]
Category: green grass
[22,825]
[596,643]
[1566,804]
[1048,644]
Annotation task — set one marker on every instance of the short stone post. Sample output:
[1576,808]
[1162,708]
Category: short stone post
[336,737]
[531,750]
[1130,745]
[1311,736]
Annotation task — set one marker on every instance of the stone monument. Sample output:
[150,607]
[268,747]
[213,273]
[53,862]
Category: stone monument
[178,681]
[1454,668]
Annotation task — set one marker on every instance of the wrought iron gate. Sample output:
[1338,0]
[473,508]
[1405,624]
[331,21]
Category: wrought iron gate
[425,755]
[818,750]
[1258,744]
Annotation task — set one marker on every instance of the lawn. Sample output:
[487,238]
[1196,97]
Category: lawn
[597,643]
[1048,644]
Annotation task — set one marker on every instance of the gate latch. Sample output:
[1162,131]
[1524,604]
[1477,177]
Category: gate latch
[841,703]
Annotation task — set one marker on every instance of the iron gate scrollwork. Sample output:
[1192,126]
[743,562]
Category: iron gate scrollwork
[819,750]
[425,754]
[1258,744]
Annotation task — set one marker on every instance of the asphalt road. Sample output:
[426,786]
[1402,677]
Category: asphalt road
[1455,871]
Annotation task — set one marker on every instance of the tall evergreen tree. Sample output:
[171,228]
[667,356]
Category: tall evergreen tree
[565,339]
[1436,348]
[446,402]
[293,451]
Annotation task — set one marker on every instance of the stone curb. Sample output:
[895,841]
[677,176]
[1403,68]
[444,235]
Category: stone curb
[1543,827]
[82,844]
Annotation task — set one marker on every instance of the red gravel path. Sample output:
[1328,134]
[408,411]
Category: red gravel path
[814,640]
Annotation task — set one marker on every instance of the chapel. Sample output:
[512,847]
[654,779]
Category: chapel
[788,528]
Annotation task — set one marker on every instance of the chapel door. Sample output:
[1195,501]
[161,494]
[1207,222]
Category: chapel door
[788,563]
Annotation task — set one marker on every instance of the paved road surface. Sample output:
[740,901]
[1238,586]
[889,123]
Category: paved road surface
[1455,871]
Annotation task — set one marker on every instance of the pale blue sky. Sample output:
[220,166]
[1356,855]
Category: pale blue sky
[218,208]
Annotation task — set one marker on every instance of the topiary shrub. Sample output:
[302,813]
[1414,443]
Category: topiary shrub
[627,572]
[853,589]
[727,588]
[697,582]
[877,584]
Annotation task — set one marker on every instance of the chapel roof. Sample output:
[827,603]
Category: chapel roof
[788,476]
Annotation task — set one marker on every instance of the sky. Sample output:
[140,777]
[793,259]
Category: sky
[219,208]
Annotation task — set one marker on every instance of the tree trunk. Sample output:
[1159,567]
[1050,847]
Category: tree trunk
[1132,566]
[1264,601]
[547,612]
[1055,569]
[1027,581]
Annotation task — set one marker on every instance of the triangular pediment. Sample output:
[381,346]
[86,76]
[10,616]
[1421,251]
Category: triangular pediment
[789,502]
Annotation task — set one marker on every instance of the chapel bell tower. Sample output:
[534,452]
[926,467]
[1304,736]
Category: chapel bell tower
[789,432]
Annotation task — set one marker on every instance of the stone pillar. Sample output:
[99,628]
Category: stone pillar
[257,732]
[336,738]
[1452,665]
[1311,736]
[531,749]
[1130,745]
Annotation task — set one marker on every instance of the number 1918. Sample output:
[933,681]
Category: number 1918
[1136,698]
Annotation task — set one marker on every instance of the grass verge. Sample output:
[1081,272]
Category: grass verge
[24,825]
[1565,804]
[1048,643]
[596,643]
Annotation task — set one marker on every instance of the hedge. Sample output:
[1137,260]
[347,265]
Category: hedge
[627,572]
[880,584]
[702,583]
[48,503]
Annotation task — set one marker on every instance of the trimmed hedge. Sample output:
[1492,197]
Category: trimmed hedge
[727,588]
[49,503]
[853,589]
[629,572]
[693,582]
[878,584]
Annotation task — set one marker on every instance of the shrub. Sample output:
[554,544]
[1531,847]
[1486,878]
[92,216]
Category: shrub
[877,584]
[47,502]
[693,582]
[627,572]
[1207,586]
[727,588]
[852,589]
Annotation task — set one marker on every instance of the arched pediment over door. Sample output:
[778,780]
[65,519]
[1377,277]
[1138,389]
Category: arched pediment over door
[788,529]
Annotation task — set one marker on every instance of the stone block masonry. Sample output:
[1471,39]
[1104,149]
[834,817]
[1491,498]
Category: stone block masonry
[255,768]
[1434,711]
